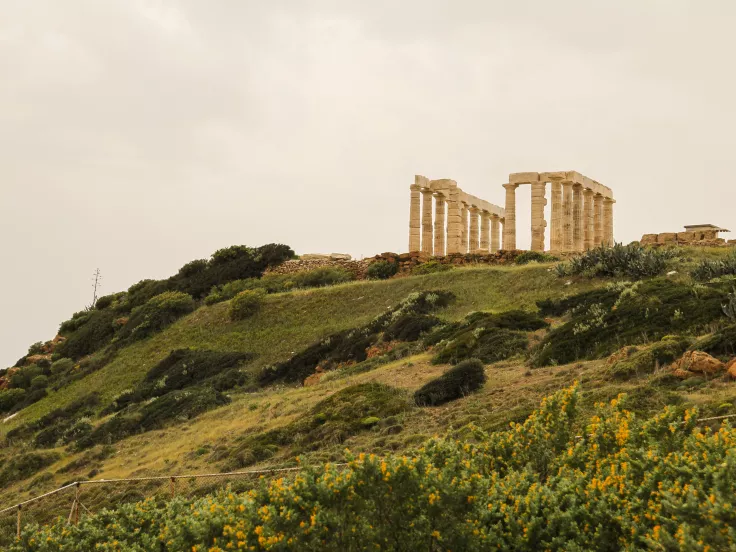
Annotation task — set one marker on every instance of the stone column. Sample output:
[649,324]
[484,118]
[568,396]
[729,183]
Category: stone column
[538,222]
[427,244]
[439,225]
[555,242]
[464,227]
[588,220]
[577,218]
[473,235]
[608,221]
[485,232]
[415,237]
[454,219]
[598,216]
[495,233]
[509,225]
[567,217]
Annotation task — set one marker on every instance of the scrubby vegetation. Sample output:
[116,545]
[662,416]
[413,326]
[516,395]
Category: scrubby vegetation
[382,270]
[334,419]
[485,336]
[721,343]
[638,362]
[535,257]
[605,320]
[430,267]
[629,261]
[708,269]
[407,319]
[559,480]
[457,382]
[246,304]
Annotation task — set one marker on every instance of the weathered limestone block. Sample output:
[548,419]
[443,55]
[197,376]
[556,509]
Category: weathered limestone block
[341,257]
[414,218]
[567,217]
[685,237]
[667,238]
[538,222]
[464,227]
[608,221]
[509,227]
[588,220]
[577,218]
[427,239]
[649,239]
[439,225]
[495,233]
[485,231]
[454,221]
[556,238]
[598,215]
[314,257]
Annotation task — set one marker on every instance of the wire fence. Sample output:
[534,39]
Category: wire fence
[76,500]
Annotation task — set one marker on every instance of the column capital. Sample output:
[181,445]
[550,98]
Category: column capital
[415,187]
[510,186]
[588,192]
[609,200]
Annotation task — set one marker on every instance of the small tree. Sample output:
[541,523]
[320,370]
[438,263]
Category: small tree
[246,303]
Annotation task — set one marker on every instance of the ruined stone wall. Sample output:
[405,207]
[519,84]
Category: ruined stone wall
[357,268]
[704,238]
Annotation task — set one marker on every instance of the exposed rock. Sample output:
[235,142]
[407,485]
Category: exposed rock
[621,354]
[341,257]
[683,374]
[314,257]
[698,361]
[731,368]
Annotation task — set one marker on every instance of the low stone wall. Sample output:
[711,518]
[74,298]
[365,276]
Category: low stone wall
[709,239]
[357,268]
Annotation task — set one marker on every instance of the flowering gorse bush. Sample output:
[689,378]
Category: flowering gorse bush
[558,481]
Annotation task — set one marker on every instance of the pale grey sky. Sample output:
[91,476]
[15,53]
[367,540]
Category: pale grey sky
[137,135]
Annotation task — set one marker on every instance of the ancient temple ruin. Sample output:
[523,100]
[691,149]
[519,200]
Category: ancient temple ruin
[462,223]
[581,213]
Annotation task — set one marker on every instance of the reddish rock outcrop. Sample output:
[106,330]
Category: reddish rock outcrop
[698,362]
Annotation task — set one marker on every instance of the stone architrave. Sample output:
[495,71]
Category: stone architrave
[495,233]
[474,236]
[567,217]
[454,221]
[538,222]
[577,218]
[608,221]
[415,237]
[427,238]
[509,226]
[555,242]
[588,220]
[598,223]
[485,232]
[439,225]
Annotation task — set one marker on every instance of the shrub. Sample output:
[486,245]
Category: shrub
[39,382]
[669,349]
[720,344]
[431,267]
[632,261]
[729,308]
[95,333]
[636,313]
[35,349]
[193,267]
[535,257]
[708,269]
[381,270]
[62,366]
[9,398]
[410,327]
[457,382]
[112,300]
[22,466]
[321,277]
[158,312]
[246,304]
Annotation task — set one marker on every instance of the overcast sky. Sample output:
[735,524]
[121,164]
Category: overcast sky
[137,135]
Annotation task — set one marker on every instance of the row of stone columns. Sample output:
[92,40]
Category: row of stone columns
[440,223]
[582,218]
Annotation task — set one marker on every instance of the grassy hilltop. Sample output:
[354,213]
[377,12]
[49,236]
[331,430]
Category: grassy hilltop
[205,372]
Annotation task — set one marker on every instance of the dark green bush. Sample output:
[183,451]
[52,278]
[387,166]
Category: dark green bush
[646,361]
[160,311]
[321,277]
[410,327]
[39,382]
[709,269]
[457,382]
[632,261]
[246,304]
[9,398]
[62,366]
[431,267]
[535,257]
[720,344]
[111,300]
[96,332]
[381,270]
[22,466]
[629,315]
[23,378]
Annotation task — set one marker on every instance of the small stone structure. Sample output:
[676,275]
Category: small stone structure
[699,234]
[312,262]
[582,215]
[462,222]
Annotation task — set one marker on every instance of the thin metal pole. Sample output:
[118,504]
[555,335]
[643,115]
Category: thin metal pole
[19,509]
[173,487]
[76,503]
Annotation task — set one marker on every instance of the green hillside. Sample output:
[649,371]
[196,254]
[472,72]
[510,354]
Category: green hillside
[171,381]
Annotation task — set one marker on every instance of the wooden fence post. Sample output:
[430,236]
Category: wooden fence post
[19,509]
